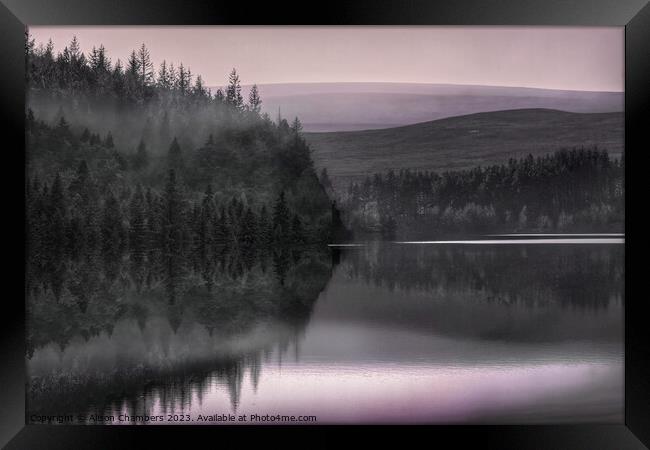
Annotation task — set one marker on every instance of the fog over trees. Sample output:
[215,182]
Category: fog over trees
[123,157]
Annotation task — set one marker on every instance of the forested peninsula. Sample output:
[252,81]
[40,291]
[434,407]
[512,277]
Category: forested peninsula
[122,156]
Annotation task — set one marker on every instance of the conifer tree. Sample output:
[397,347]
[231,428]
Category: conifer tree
[199,90]
[57,215]
[281,219]
[297,231]
[63,128]
[137,222]
[152,212]
[264,231]
[145,67]
[165,79]
[133,84]
[183,80]
[172,211]
[112,228]
[337,227]
[164,129]
[296,127]
[108,142]
[117,80]
[74,50]
[141,157]
[254,100]
[207,214]
[249,228]
[195,226]
[79,184]
[221,228]
[175,156]
[325,181]
[233,91]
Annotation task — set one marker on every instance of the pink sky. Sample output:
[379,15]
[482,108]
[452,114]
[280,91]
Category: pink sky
[574,58]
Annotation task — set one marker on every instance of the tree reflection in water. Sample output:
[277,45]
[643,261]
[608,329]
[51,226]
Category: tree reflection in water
[181,322]
[157,332]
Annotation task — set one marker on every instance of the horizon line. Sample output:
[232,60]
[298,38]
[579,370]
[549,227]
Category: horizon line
[278,83]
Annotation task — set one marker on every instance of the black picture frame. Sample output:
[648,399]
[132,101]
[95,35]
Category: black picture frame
[633,14]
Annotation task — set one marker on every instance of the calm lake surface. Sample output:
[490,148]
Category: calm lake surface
[372,333]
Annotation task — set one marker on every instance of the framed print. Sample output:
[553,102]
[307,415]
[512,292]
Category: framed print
[379,216]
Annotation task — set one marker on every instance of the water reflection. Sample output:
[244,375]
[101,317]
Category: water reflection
[378,333]
[137,322]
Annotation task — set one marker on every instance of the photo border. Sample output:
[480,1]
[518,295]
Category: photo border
[633,14]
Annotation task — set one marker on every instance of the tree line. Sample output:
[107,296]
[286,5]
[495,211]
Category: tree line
[144,111]
[134,81]
[73,217]
[578,189]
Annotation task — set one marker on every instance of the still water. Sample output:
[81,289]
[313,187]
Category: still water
[371,333]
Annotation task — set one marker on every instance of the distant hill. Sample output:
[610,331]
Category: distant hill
[463,142]
[360,106]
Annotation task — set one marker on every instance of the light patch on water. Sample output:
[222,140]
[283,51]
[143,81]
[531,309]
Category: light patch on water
[554,234]
[379,393]
[524,241]
[346,245]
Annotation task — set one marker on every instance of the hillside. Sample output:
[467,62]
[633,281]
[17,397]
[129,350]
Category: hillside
[325,107]
[121,161]
[462,142]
